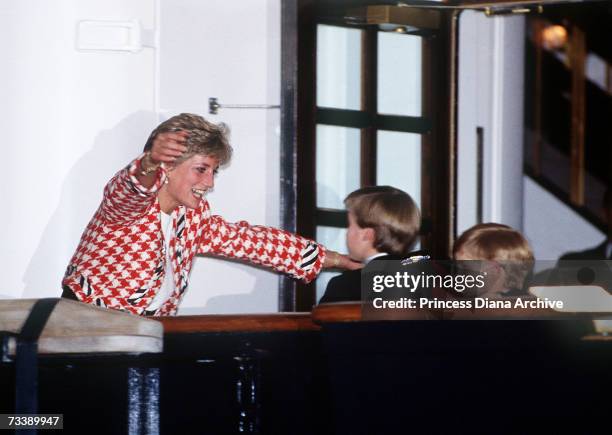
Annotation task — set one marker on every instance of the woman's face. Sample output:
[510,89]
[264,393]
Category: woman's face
[188,182]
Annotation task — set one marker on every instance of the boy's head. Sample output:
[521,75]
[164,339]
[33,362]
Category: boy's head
[497,243]
[493,241]
[382,219]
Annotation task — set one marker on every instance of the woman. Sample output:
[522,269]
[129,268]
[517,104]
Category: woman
[137,251]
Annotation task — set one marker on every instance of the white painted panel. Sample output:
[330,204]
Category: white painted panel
[552,228]
[491,54]
[509,121]
[70,120]
[217,48]
[472,95]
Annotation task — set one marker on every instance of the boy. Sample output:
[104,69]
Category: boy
[384,223]
[501,248]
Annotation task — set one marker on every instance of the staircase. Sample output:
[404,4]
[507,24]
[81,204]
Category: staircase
[568,139]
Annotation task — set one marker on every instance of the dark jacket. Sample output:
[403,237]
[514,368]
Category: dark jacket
[347,286]
[596,253]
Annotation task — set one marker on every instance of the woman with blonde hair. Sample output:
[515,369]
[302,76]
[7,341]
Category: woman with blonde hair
[138,249]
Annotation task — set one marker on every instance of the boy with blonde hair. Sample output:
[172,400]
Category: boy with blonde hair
[500,245]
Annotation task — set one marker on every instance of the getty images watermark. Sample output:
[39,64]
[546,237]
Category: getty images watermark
[485,289]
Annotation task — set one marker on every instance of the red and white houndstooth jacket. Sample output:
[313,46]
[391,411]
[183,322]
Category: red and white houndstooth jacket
[120,260]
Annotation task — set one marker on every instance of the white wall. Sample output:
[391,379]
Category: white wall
[491,68]
[71,119]
[552,228]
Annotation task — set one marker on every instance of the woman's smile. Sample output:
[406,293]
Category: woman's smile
[199,192]
[188,182]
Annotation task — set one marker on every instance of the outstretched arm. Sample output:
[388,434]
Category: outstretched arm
[281,250]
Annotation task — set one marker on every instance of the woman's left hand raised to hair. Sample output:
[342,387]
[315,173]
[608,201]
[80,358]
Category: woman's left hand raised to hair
[335,260]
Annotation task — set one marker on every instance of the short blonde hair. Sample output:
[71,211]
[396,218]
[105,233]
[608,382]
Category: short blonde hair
[391,212]
[498,242]
[205,138]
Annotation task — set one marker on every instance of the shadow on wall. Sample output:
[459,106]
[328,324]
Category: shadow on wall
[80,197]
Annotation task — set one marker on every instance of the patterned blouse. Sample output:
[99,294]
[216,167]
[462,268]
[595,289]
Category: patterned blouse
[119,262]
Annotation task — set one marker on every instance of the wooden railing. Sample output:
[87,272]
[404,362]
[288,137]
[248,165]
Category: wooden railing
[239,323]
[341,312]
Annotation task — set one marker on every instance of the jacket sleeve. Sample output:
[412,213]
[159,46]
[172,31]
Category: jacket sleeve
[277,249]
[125,199]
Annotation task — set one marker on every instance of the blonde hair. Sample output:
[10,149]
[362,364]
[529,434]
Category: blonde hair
[204,138]
[501,243]
[391,212]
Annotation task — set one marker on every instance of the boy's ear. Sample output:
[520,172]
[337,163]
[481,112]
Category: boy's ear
[492,269]
[369,235]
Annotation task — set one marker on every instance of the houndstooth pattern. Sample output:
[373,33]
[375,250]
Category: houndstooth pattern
[119,262]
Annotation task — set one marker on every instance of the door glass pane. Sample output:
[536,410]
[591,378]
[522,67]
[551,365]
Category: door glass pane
[399,74]
[338,160]
[399,162]
[334,239]
[338,67]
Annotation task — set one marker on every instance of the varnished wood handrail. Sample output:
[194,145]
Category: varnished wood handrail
[238,323]
[577,55]
[353,312]
[341,312]
[506,314]
[337,312]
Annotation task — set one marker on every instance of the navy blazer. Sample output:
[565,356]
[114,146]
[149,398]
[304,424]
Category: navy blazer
[347,286]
